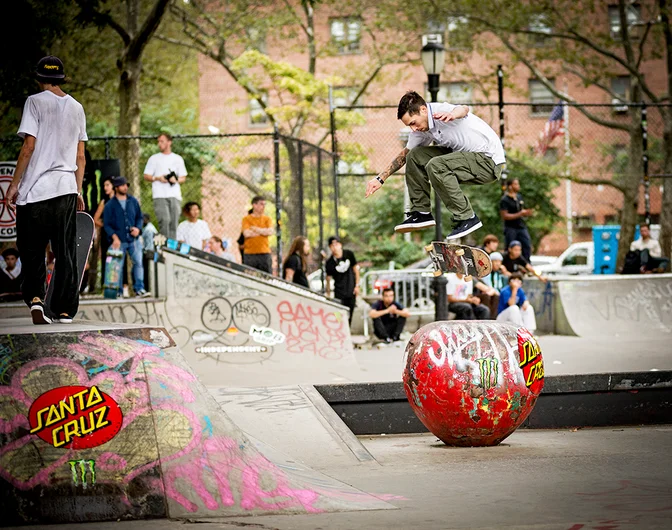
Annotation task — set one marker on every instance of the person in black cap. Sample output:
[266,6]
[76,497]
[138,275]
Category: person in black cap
[514,261]
[47,192]
[11,276]
[342,267]
[122,222]
[513,212]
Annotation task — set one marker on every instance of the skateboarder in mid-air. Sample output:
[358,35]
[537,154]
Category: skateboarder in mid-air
[466,151]
[47,192]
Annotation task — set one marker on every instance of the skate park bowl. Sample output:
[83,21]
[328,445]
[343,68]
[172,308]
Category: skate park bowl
[603,306]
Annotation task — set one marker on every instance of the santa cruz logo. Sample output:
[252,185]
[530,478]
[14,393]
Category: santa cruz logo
[76,417]
[7,214]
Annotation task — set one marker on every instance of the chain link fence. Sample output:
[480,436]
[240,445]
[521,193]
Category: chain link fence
[588,151]
[224,172]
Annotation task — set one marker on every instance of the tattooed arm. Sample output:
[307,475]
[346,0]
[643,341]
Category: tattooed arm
[374,184]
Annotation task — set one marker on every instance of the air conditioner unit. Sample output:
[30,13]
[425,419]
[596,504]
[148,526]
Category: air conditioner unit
[619,107]
[432,37]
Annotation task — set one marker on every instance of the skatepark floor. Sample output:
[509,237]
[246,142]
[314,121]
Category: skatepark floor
[563,355]
[616,478]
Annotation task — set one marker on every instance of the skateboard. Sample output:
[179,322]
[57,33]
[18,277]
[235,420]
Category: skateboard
[114,264]
[85,230]
[460,259]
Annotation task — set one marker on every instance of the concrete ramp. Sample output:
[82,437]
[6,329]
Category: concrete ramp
[238,325]
[609,307]
[106,422]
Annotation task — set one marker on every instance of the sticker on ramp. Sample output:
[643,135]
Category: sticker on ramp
[266,336]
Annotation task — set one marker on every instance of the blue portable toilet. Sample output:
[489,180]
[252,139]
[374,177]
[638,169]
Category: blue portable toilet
[605,241]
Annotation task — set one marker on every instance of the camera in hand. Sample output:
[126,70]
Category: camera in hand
[172,178]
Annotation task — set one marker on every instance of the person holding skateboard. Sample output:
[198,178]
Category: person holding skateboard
[47,192]
[466,151]
[122,221]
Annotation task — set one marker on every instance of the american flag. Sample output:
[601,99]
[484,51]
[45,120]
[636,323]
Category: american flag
[552,128]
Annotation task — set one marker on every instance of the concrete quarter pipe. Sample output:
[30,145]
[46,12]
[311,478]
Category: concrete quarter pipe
[113,423]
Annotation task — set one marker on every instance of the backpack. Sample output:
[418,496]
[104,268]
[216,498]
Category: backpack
[632,263]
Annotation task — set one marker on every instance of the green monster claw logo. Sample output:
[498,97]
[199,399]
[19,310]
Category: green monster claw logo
[81,469]
[488,367]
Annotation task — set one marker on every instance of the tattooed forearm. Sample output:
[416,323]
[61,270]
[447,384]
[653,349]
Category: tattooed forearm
[396,165]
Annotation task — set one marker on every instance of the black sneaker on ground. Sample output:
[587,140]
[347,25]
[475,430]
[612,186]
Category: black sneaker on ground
[37,312]
[416,221]
[142,294]
[462,228]
[63,318]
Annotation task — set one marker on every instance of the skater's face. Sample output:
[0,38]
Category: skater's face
[164,144]
[496,264]
[194,212]
[417,122]
[215,245]
[515,186]
[306,248]
[646,233]
[11,262]
[122,190]
[108,188]
[515,251]
[388,298]
[336,248]
[259,207]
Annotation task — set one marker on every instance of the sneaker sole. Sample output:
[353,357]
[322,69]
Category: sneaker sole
[403,228]
[63,320]
[469,231]
[39,318]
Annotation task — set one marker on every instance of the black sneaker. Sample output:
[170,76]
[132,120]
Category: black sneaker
[63,318]
[462,228]
[37,312]
[416,221]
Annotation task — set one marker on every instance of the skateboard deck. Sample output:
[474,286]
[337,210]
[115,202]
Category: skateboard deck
[85,230]
[114,263]
[461,259]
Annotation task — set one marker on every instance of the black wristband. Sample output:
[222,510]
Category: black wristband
[380,180]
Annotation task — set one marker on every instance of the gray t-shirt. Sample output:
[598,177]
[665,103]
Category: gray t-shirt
[58,124]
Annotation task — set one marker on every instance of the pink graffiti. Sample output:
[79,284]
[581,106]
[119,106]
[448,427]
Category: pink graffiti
[313,331]
[199,462]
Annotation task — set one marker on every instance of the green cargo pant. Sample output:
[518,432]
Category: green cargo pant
[445,171]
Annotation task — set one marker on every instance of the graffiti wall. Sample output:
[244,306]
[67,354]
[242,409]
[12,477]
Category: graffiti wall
[114,424]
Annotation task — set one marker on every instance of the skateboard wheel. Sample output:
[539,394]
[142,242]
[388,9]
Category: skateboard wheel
[468,278]
[429,248]
[459,252]
[438,273]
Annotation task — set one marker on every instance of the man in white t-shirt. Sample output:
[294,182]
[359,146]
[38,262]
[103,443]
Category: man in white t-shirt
[194,232]
[47,191]
[466,151]
[166,171]
[461,300]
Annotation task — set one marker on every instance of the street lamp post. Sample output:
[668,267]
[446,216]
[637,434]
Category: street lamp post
[433,58]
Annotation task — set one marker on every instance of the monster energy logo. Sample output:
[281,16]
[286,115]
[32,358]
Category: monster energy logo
[80,469]
[488,367]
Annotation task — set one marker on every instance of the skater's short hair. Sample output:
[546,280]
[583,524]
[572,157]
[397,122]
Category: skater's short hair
[10,252]
[410,103]
[167,135]
[387,289]
[490,238]
[257,198]
[187,207]
[515,276]
[510,182]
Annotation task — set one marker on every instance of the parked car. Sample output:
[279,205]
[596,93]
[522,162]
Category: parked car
[579,258]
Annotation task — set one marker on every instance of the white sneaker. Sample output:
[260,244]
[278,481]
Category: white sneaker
[126,293]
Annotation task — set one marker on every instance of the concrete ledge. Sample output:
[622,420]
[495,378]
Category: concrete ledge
[597,400]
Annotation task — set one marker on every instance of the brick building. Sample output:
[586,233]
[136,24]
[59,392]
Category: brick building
[595,150]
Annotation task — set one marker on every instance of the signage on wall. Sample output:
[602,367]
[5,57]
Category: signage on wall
[7,214]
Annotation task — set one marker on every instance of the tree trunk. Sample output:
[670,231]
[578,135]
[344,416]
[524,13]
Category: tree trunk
[666,207]
[129,121]
[631,191]
[292,201]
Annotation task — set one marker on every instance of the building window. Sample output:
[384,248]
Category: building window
[260,169]
[343,96]
[346,34]
[551,156]
[620,86]
[256,38]
[458,37]
[632,16]
[539,24]
[257,114]
[540,98]
[436,32]
[457,93]
[582,222]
